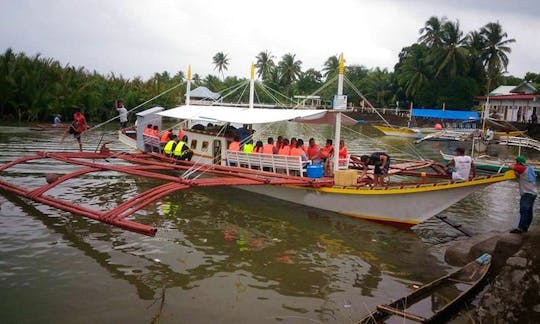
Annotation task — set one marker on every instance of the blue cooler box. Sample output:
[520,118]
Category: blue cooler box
[315,171]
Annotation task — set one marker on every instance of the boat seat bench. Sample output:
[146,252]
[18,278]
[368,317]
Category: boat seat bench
[272,162]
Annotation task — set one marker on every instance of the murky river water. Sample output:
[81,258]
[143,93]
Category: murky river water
[220,254]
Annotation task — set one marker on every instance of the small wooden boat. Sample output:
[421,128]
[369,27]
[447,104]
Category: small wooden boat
[430,301]
[399,131]
[49,127]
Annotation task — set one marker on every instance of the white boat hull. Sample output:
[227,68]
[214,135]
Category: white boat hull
[400,206]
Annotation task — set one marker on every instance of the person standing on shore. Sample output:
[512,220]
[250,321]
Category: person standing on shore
[527,191]
[122,113]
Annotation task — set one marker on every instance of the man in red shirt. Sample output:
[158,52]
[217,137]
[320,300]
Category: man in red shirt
[77,127]
[527,190]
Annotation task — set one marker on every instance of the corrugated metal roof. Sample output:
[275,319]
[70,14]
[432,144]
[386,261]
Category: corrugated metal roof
[445,114]
[502,90]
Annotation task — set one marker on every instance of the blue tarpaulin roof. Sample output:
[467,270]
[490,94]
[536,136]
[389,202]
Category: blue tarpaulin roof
[445,114]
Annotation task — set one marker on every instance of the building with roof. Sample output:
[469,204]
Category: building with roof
[203,95]
[519,103]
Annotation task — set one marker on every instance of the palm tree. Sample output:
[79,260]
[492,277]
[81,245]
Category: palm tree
[221,62]
[289,70]
[264,64]
[331,67]
[451,56]
[413,74]
[378,83]
[475,44]
[496,50]
[431,33]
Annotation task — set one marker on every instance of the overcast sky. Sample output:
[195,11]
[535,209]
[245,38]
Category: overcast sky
[131,37]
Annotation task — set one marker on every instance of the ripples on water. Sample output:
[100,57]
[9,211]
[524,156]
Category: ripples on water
[220,255]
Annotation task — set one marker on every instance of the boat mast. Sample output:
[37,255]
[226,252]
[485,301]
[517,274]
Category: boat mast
[337,133]
[188,85]
[410,115]
[251,85]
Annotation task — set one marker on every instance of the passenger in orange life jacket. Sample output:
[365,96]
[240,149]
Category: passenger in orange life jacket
[155,131]
[258,147]
[166,136]
[342,150]
[326,156]
[298,150]
[235,144]
[269,148]
[293,142]
[181,133]
[148,130]
[285,148]
[313,151]
[279,143]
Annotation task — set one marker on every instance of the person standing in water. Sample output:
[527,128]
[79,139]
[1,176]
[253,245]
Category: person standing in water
[77,127]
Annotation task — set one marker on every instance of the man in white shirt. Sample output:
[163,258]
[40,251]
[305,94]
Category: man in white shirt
[463,165]
[122,113]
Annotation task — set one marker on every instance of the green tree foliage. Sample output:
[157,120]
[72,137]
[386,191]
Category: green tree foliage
[445,61]
[289,71]
[221,62]
[37,88]
[265,64]
[495,51]
[331,67]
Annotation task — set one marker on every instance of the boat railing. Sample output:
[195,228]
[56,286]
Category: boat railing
[151,143]
[290,165]
[520,141]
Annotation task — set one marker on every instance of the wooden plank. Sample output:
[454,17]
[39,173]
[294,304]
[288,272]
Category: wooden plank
[394,311]
[461,281]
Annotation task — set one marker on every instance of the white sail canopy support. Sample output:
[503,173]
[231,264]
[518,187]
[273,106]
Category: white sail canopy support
[240,115]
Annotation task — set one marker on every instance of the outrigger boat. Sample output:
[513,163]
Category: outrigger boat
[422,191]
[429,302]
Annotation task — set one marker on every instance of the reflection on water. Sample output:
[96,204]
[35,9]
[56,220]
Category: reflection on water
[220,254]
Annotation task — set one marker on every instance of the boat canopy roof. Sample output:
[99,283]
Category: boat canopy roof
[241,115]
[445,114]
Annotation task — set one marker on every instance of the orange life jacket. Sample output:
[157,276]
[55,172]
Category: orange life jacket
[326,151]
[268,149]
[343,152]
[284,150]
[296,151]
[234,146]
[312,151]
[165,137]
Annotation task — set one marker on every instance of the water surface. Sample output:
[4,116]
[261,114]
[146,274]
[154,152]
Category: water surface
[220,254]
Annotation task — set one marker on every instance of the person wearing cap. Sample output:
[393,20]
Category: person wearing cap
[527,191]
[462,164]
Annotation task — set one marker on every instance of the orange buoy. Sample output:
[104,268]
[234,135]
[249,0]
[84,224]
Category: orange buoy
[438,126]
[51,177]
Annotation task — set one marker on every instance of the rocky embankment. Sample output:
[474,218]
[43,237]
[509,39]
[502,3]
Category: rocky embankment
[513,291]
[514,295]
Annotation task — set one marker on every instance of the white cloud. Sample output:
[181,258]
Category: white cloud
[142,37]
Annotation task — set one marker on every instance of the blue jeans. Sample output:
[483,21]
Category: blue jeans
[526,204]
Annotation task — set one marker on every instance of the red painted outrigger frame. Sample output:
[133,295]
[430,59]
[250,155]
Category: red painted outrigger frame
[143,165]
